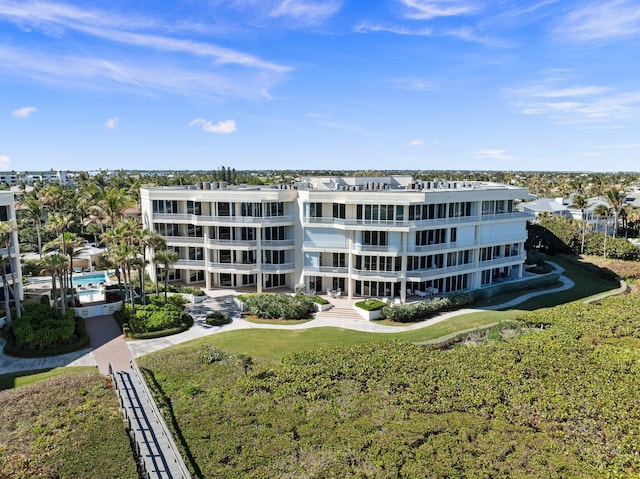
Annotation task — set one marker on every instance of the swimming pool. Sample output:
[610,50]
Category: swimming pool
[85,279]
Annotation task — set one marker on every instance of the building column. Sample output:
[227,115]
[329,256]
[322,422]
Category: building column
[403,267]
[207,256]
[259,278]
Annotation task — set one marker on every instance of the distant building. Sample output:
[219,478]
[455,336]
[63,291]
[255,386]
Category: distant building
[8,214]
[378,236]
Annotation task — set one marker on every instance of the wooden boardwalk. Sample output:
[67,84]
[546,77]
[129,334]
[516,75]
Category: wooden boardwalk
[158,455]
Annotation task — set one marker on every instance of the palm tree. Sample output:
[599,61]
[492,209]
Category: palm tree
[55,265]
[166,258]
[615,198]
[581,203]
[604,212]
[33,213]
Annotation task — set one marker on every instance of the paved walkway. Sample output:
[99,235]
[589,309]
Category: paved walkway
[109,345]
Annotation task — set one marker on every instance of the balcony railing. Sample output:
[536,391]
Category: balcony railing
[199,240]
[191,263]
[226,220]
[326,269]
[270,267]
[234,266]
[227,243]
[377,248]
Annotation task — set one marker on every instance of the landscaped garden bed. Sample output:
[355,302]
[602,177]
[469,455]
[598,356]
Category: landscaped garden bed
[43,331]
[161,317]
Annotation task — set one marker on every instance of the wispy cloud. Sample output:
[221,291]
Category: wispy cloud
[601,21]
[366,27]
[111,123]
[223,127]
[428,9]
[306,12]
[416,143]
[493,154]
[578,104]
[4,162]
[142,37]
[24,112]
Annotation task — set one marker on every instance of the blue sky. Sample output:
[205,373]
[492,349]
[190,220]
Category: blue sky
[334,84]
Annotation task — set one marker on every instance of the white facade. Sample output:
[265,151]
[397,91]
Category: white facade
[363,236]
[8,214]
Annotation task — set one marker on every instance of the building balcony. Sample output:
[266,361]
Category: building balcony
[231,267]
[371,248]
[503,260]
[202,220]
[506,216]
[231,244]
[369,274]
[277,268]
[184,240]
[189,263]
[326,270]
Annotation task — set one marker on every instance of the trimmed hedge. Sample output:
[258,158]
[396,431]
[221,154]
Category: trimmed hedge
[155,320]
[370,304]
[279,306]
[408,313]
[80,341]
[217,318]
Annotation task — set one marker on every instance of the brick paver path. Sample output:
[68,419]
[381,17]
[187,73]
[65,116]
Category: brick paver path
[108,344]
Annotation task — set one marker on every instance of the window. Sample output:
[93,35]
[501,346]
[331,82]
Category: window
[165,206]
[195,231]
[274,209]
[374,238]
[196,277]
[196,254]
[224,209]
[339,210]
[251,209]
[194,208]
[315,210]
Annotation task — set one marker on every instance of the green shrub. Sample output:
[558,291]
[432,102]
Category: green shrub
[41,327]
[319,300]
[370,304]
[217,318]
[279,306]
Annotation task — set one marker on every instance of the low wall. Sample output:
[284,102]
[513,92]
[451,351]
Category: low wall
[369,315]
[97,310]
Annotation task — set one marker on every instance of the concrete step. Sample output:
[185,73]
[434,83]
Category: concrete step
[336,312]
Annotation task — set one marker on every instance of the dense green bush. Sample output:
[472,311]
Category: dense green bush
[407,313]
[155,317]
[41,327]
[280,306]
[319,299]
[217,318]
[617,248]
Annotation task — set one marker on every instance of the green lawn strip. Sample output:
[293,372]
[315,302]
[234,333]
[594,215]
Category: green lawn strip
[22,378]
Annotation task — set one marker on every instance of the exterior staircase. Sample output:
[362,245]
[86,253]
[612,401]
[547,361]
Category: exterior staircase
[340,313]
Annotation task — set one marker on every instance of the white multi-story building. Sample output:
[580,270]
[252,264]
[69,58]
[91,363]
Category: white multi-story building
[8,215]
[379,236]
